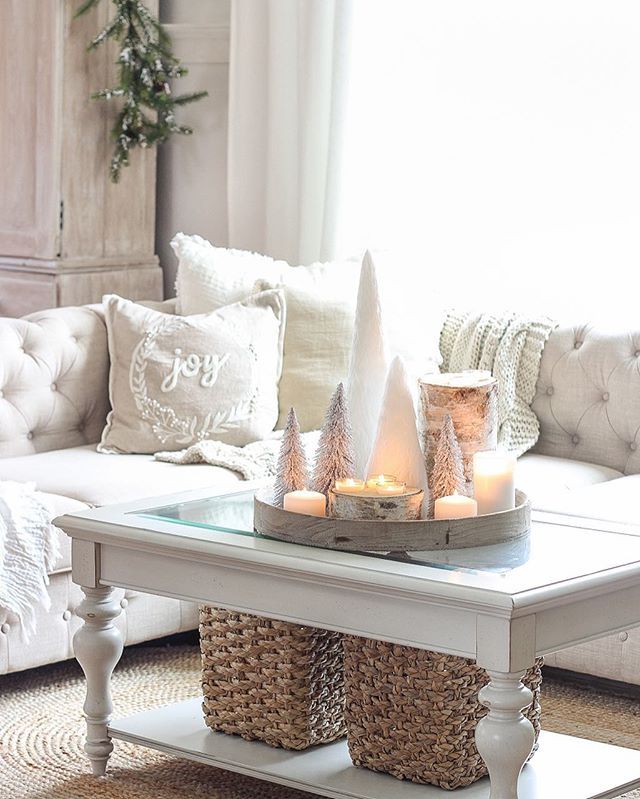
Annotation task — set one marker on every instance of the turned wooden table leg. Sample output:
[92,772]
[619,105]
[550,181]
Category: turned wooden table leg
[504,737]
[98,646]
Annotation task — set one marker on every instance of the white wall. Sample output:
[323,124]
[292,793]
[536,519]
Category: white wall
[192,170]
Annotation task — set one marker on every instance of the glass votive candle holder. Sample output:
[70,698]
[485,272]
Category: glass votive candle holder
[376,480]
[349,485]
[394,488]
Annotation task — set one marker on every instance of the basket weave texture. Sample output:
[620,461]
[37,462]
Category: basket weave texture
[271,681]
[413,713]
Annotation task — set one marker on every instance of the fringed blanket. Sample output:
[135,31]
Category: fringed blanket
[510,347]
[253,462]
[28,550]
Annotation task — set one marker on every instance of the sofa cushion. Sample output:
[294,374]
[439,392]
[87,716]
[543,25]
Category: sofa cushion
[545,479]
[613,501]
[588,396]
[85,475]
[53,380]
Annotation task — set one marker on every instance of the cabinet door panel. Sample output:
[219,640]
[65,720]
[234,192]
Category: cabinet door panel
[30,85]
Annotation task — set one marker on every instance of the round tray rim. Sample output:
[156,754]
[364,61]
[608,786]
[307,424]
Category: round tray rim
[404,535]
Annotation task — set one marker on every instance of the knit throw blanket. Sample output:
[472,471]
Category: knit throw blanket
[510,347]
[255,461]
[28,551]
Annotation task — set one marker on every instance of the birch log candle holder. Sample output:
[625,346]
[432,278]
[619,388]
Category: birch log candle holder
[376,505]
[471,399]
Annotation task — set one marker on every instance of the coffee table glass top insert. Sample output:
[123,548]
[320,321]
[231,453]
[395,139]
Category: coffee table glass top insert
[554,551]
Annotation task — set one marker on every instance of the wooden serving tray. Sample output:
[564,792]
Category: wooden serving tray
[388,536]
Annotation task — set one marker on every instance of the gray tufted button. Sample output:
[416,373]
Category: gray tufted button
[54,387]
[605,396]
[4,628]
[577,344]
[633,446]
[623,637]
[550,391]
[66,615]
[30,435]
[575,439]
[637,353]
[124,602]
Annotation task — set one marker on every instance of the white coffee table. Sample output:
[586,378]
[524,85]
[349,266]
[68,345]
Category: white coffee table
[569,582]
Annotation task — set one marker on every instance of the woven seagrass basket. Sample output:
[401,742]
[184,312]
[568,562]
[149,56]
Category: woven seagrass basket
[270,680]
[413,713]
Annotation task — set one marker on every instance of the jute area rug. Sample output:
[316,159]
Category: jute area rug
[41,732]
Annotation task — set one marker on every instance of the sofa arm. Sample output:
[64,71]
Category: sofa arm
[54,371]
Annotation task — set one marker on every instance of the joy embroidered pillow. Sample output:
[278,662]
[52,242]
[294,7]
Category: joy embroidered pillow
[176,380]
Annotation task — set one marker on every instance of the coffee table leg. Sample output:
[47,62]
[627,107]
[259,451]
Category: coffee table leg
[98,646]
[504,737]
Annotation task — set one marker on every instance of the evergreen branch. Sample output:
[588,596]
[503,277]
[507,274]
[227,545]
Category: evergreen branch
[145,64]
[85,7]
[183,99]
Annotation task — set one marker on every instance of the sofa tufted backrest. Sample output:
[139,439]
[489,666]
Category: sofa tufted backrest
[588,397]
[54,369]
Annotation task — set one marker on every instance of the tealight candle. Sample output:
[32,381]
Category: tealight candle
[349,485]
[494,481]
[455,507]
[395,488]
[379,480]
[311,503]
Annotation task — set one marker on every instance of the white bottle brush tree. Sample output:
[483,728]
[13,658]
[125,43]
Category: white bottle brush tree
[291,470]
[447,476]
[334,457]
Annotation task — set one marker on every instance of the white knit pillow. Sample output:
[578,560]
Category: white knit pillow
[177,380]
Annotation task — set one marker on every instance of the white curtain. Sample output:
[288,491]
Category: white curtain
[288,68]
[499,143]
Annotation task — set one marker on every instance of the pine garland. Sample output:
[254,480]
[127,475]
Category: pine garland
[146,65]
[334,457]
[447,477]
[291,470]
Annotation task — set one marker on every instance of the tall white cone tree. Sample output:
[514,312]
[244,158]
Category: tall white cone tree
[334,458]
[367,365]
[291,470]
[396,449]
[447,476]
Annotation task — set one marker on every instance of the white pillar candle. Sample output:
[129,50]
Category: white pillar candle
[455,507]
[311,503]
[494,481]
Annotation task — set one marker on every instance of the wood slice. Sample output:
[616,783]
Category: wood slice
[471,399]
[393,535]
[361,506]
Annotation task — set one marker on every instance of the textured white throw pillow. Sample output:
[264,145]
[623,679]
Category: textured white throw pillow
[320,307]
[177,380]
[321,301]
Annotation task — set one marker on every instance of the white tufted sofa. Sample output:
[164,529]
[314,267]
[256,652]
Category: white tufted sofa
[53,402]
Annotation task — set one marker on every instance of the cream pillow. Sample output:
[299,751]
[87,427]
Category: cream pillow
[320,308]
[321,301]
[175,380]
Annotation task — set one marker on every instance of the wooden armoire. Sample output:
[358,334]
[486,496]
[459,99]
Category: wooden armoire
[68,234]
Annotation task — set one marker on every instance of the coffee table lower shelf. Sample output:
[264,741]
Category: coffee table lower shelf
[563,768]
